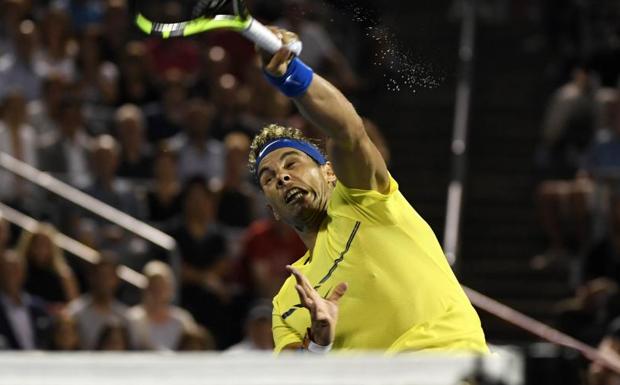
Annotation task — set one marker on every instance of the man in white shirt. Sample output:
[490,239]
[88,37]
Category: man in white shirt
[99,307]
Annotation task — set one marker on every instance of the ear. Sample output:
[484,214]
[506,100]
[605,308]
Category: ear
[273,212]
[329,173]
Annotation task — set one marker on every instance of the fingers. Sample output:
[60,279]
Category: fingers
[287,37]
[306,292]
[277,63]
[300,278]
[305,300]
[338,292]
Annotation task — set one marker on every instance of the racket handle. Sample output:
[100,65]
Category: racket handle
[266,40]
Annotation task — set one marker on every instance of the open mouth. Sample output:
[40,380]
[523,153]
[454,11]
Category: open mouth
[294,195]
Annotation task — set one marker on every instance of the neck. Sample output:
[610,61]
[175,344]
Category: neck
[309,230]
[156,311]
[102,301]
[308,225]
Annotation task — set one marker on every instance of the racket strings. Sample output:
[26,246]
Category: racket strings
[207,8]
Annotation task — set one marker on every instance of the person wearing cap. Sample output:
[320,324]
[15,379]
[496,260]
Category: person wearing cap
[374,276]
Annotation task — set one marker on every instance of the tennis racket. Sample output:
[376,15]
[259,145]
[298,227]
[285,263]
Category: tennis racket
[207,15]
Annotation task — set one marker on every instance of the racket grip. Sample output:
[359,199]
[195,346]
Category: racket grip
[266,39]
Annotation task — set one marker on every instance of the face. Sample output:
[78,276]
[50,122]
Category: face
[12,274]
[295,186]
[165,167]
[41,250]
[198,203]
[159,290]
[104,280]
[131,132]
[260,333]
[105,163]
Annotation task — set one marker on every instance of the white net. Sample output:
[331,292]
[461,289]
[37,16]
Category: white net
[251,369]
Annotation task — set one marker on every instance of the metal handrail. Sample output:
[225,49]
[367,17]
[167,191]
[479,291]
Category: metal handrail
[87,202]
[70,245]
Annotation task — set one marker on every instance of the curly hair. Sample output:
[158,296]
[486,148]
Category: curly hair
[271,133]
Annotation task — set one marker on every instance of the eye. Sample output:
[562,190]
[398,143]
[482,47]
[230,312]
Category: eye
[290,165]
[267,180]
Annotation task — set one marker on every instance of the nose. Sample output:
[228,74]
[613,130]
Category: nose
[283,179]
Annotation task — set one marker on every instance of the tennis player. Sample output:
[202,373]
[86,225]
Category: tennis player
[374,276]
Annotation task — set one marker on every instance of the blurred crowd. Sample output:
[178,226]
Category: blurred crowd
[578,164]
[159,129]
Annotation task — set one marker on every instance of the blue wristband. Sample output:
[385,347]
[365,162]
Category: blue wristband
[295,81]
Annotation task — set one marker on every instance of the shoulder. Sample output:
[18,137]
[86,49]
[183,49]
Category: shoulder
[136,313]
[182,315]
[346,196]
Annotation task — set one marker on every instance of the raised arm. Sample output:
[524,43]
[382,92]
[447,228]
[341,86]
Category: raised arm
[356,160]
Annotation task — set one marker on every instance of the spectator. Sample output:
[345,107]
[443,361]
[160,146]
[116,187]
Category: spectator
[98,81]
[18,139]
[585,315]
[135,82]
[603,258]
[320,52]
[156,324]
[565,205]
[17,69]
[196,339]
[173,54]
[199,154]
[234,109]
[83,13]
[116,27]
[135,155]
[236,196]
[268,247]
[48,275]
[568,126]
[106,187]
[65,335]
[602,161]
[44,113]
[258,334]
[12,12]
[205,289]
[65,151]
[166,119]
[164,199]
[114,337]
[24,323]
[95,309]
[5,234]
[58,48]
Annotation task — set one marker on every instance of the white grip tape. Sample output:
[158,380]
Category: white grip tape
[266,39]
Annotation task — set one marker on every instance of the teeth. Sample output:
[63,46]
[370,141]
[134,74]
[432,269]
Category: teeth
[293,194]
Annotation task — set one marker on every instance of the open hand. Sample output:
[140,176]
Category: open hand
[323,311]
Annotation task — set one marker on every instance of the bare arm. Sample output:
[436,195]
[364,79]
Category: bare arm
[356,160]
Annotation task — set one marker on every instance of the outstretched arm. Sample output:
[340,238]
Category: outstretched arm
[356,161]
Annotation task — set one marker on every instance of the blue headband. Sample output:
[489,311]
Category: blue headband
[302,146]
